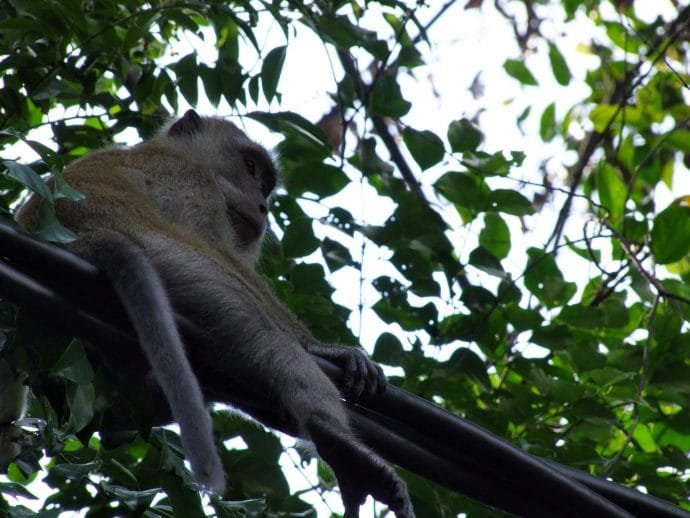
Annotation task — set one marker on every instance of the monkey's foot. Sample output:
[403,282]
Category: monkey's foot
[362,377]
[360,472]
[386,483]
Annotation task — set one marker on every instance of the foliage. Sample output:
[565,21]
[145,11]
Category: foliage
[572,344]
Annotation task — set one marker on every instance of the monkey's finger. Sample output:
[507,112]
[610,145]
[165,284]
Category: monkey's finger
[373,373]
[377,380]
[355,379]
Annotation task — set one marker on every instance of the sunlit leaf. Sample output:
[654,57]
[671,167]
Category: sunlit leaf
[671,234]
[612,192]
[464,136]
[518,70]
[547,124]
[559,66]
[495,236]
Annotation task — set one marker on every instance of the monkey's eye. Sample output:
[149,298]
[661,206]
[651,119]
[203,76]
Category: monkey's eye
[251,167]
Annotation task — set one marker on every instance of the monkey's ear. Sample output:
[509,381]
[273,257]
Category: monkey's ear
[188,125]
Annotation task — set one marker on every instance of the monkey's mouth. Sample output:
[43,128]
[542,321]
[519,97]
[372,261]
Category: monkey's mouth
[247,227]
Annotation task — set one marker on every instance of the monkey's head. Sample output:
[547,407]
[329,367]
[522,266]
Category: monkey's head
[242,169]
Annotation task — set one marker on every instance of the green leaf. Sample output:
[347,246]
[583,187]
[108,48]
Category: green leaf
[271,69]
[424,146]
[64,190]
[335,254]
[547,124]
[554,337]
[486,262]
[212,83]
[75,471]
[80,399]
[187,75]
[518,70]
[387,99]
[464,136]
[185,501]
[492,164]
[603,115]
[495,236]
[319,178]
[612,191]
[468,364]
[586,254]
[28,178]
[644,438]
[671,234]
[510,202]
[130,498]
[522,319]
[368,161]
[232,509]
[463,189]
[388,350]
[49,228]
[585,317]
[299,239]
[545,280]
[73,365]
[294,125]
[342,32]
[679,139]
[621,37]
[559,66]
[15,490]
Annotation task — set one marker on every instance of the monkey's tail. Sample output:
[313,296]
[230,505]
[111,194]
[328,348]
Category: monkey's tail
[141,291]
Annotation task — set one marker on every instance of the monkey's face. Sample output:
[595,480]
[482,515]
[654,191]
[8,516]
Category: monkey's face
[243,170]
[246,191]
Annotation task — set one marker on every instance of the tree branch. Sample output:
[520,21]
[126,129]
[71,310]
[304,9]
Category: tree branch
[621,91]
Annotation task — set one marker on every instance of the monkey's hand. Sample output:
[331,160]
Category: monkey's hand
[362,378]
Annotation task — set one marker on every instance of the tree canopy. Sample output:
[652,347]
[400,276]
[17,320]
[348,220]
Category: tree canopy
[538,288]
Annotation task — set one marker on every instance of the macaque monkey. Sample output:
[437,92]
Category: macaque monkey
[177,223]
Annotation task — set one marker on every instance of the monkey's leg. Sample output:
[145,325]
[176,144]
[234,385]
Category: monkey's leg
[313,402]
[244,350]
[359,471]
[279,370]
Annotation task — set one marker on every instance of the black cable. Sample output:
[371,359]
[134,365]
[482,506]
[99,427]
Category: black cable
[454,438]
[58,312]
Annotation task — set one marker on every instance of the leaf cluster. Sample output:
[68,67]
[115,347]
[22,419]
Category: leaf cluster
[575,347]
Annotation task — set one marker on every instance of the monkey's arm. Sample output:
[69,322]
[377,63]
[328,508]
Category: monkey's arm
[362,378]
